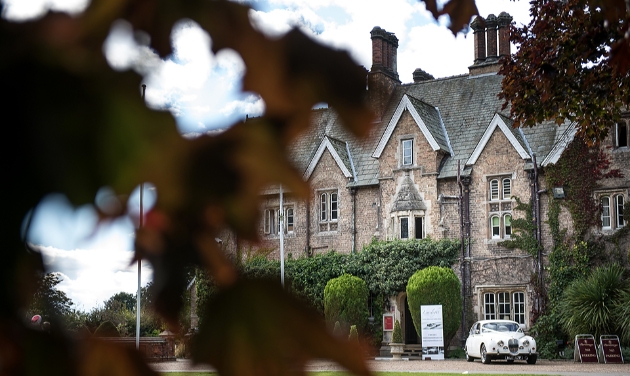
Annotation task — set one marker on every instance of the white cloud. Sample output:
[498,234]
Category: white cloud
[22,10]
[92,276]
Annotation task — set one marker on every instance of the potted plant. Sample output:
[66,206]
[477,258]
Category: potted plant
[396,347]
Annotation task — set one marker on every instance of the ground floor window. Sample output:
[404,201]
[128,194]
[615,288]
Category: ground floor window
[504,305]
[411,227]
[612,207]
[271,220]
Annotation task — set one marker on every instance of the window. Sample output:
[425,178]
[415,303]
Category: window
[419,227]
[504,305]
[494,189]
[328,211]
[495,227]
[605,201]
[271,220]
[620,222]
[506,189]
[404,228]
[507,225]
[407,152]
[500,207]
[289,219]
[500,189]
[503,301]
[488,307]
[621,135]
[519,307]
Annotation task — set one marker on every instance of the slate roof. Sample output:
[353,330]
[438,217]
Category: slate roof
[463,106]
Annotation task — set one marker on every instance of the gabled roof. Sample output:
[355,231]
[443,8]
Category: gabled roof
[558,148]
[427,118]
[340,153]
[498,121]
[408,197]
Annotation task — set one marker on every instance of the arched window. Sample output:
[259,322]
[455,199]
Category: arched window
[495,227]
[333,207]
[494,189]
[605,202]
[507,225]
[322,210]
[620,222]
[507,189]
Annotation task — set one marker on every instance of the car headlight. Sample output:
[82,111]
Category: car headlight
[526,343]
[500,343]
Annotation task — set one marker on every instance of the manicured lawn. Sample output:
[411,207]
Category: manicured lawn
[336,373]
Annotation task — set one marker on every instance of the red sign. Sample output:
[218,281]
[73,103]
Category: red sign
[388,322]
[612,350]
[587,350]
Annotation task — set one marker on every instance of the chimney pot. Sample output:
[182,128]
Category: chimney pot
[504,20]
[479,29]
[419,75]
[491,34]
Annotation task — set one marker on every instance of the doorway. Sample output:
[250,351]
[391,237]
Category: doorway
[411,337]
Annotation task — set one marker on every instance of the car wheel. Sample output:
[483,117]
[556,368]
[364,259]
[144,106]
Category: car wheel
[510,360]
[532,359]
[485,358]
[468,357]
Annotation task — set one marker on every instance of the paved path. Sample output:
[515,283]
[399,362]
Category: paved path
[542,367]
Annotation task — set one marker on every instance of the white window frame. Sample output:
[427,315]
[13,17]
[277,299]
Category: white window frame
[328,210]
[270,222]
[504,303]
[507,224]
[606,214]
[404,227]
[492,227]
[407,152]
[494,190]
[506,188]
[619,202]
[289,223]
[323,207]
[334,206]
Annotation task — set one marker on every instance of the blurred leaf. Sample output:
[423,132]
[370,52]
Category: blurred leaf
[460,13]
[255,328]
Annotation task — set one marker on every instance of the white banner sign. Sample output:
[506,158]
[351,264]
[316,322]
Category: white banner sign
[432,332]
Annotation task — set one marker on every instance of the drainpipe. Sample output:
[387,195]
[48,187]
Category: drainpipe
[536,209]
[307,247]
[353,192]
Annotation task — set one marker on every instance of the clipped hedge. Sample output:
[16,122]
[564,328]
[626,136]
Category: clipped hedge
[346,301]
[436,286]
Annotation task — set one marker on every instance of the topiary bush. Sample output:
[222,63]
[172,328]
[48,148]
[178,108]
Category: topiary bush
[397,334]
[589,305]
[346,301]
[354,334]
[436,286]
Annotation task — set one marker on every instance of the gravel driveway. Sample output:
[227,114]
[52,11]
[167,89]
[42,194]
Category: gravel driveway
[542,367]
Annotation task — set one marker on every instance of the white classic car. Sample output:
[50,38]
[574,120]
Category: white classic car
[499,339]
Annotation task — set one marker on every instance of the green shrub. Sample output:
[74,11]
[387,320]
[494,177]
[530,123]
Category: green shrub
[397,334]
[354,334]
[589,305]
[436,286]
[622,316]
[106,329]
[346,301]
[337,329]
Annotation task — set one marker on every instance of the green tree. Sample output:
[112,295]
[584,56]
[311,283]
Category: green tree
[346,301]
[121,300]
[590,305]
[48,301]
[436,286]
[572,64]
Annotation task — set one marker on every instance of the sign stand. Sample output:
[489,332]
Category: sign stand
[432,326]
[610,348]
[585,348]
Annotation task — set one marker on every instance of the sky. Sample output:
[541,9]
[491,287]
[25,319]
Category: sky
[202,91]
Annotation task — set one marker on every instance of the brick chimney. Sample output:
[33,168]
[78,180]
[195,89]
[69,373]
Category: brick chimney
[492,40]
[419,75]
[383,76]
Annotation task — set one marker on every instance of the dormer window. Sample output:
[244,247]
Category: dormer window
[407,152]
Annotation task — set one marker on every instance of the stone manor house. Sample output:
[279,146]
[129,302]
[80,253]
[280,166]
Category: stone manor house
[402,182]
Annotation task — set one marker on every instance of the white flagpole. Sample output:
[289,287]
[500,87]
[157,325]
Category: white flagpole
[141,222]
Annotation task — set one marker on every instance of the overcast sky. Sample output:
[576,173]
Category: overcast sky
[202,91]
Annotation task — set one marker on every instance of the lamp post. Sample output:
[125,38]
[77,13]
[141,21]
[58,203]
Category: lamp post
[140,224]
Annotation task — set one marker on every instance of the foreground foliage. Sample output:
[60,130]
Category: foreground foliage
[572,64]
